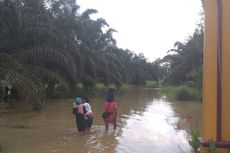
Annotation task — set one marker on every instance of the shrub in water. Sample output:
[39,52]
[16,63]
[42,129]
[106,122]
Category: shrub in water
[183,93]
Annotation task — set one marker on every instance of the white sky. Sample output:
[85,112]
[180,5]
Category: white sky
[148,26]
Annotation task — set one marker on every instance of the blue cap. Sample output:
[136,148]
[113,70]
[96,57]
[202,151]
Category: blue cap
[78,100]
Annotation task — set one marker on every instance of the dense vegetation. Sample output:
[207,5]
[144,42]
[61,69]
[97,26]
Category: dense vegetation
[48,45]
[183,66]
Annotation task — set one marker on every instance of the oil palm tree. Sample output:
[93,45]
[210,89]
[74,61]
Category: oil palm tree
[186,58]
[28,50]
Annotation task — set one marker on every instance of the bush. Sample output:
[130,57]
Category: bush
[183,92]
[188,93]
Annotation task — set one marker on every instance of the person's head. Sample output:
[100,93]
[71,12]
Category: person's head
[78,100]
[110,90]
[110,95]
[85,99]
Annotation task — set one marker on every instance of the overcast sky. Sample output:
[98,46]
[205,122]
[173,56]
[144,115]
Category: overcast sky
[148,26]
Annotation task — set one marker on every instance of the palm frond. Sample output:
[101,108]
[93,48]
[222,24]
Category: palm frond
[9,63]
[86,14]
[45,54]
[26,89]
[49,75]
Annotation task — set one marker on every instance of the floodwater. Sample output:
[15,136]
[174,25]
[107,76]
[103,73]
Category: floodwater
[147,123]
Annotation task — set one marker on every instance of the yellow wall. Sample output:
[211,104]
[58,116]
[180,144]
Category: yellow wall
[210,76]
[210,71]
[226,71]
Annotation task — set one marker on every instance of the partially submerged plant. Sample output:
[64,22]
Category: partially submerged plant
[212,148]
[194,143]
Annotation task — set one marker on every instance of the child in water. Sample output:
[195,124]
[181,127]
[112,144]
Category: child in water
[79,111]
[89,114]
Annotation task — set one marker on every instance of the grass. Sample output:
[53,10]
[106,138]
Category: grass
[100,86]
[79,85]
[168,90]
[151,83]
[183,92]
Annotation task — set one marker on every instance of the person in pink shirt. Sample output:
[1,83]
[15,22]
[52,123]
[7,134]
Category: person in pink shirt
[110,105]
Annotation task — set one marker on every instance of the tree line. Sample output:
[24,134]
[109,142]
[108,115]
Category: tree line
[46,44]
[183,67]
[184,63]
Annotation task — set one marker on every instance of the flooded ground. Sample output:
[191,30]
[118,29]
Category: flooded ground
[147,122]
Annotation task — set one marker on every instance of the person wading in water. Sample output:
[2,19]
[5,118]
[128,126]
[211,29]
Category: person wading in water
[110,105]
[89,114]
[79,111]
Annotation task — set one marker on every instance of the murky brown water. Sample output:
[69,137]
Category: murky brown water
[146,123]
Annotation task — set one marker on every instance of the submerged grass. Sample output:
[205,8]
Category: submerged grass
[3,113]
[171,91]
[27,117]
[183,92]
[1,148]
[21,126]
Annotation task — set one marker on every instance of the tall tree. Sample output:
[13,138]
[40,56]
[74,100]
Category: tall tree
[186,58]
[28,50]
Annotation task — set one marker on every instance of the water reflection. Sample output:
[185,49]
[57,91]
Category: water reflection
[146,123]
[153,131]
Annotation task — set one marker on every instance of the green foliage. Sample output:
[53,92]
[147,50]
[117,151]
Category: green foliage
[170,90]
[58,93]
[188,93]
[42,45]
[151,83]
[100,86]
[196,77]
[79,85]
[194,143]
[183,64]
[212,148]
[183,92]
